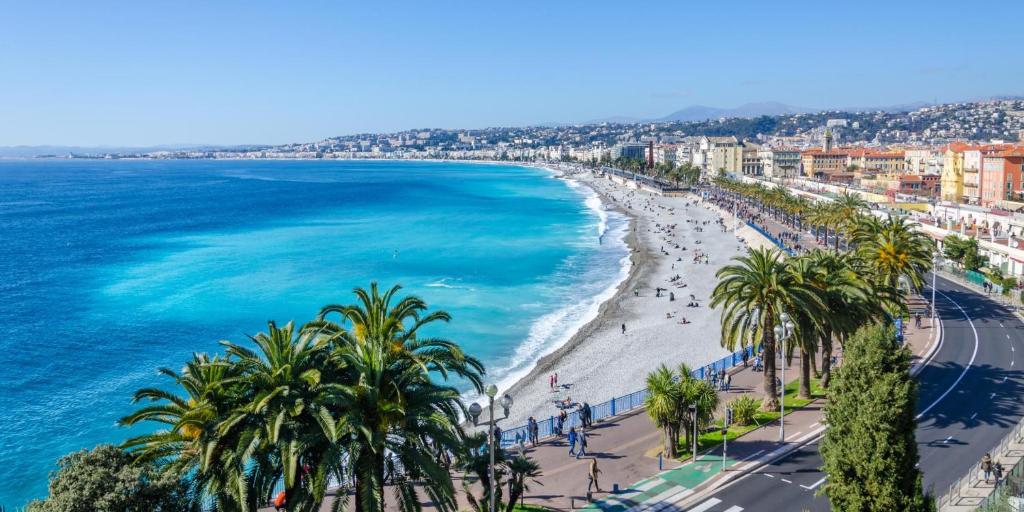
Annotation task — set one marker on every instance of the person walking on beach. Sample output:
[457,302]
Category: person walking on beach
[581,440]
[623,328]
[572,441]
[551,382]
[592,476]
[556,379]
[986,466]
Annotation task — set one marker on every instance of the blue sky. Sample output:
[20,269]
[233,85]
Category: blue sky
[226,72]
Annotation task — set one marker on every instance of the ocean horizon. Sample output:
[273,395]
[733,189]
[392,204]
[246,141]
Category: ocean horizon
[113,269]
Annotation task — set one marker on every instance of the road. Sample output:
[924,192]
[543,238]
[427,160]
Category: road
[968,399]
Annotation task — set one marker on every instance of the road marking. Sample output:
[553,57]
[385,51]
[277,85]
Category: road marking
[784,480]
[791,436]
[752,455]
[947,440]
[993,395]
[1008,337]
[734,508]
[647,485]
[975,415]
[707,505]
[815,484]
[768,475]
[966,367]
[664,496]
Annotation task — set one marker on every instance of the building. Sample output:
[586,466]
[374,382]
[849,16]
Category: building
[631,150]
[719,153]
[750,161]
[665,154]
[890,162]
[952,181]
[823,163]
[779,163]
[1001,176]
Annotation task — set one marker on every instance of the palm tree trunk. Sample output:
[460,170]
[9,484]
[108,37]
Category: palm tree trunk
[771,391]
[826,359]
[671,442]
[805,374]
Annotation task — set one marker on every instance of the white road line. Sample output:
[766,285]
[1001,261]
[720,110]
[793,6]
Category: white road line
[664,496]
[966,367]
[752,455]
[734,508]
[1008,337]
[946,441]
[815,484]
[707,505]
[993,395]
[768,475]
[646,485]
[784,480]
[975,415]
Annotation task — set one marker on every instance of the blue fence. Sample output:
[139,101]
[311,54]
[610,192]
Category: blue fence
[774,240]
[613,407]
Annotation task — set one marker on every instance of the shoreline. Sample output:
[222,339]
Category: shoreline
[598,362]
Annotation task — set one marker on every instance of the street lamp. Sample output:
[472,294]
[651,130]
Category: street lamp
[937,259]
[474,412]
[782,332]
[693,416]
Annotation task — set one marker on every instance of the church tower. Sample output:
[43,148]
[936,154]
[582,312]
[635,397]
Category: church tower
[828,140]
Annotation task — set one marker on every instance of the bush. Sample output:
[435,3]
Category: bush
[743,410]
[108,479]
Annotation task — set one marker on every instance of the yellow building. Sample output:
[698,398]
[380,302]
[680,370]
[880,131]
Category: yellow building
[953,173]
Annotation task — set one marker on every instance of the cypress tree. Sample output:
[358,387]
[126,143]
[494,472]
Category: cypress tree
[869,449]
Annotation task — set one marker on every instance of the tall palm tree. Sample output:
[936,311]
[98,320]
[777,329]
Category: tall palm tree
[700,394]
[847,208]
[753,292]
[894,250]
[189,420]
[289,426]
[394,405]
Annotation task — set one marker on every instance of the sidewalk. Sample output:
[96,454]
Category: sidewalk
[626,449]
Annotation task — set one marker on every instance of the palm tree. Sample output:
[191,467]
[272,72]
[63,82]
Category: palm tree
[893,249]
[289,426]
[394,405]
[664,405]
[753,293]
[189,421]
[698,393]
[847,209]
[521,470]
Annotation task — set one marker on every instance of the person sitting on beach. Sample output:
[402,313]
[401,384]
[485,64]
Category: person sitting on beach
[685,321]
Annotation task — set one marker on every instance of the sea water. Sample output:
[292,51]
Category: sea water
[110,270]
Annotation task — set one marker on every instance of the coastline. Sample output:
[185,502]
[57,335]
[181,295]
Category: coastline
[598,361]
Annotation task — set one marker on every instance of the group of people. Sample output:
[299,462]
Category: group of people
[991,469]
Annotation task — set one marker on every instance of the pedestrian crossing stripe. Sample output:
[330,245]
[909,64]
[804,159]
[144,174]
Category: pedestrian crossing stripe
[649,493]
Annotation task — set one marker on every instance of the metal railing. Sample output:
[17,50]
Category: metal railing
[618,405]
[1008,493]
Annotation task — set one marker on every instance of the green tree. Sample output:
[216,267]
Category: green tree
[869,450]
[664,405]
[521,471]
[108,479]
[289,427]
[753,292]
[188,441]
[394,405]
[893,249]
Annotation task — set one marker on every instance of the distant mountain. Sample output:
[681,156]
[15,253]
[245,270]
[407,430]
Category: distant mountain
[767,108]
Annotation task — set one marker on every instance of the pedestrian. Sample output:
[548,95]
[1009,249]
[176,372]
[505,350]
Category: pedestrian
[559,423]
[728,381]
[531,431]
[917,320]
[556,379]
[572,440]
[746,356]
[592,476]
[997,471]
[551,382]
[623,328]
[986,466]
[581,440]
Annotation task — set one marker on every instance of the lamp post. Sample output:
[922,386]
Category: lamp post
[935,265]
[693,416]
[783,331]
[492,443]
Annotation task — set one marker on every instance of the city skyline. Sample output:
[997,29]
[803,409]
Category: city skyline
[140,75]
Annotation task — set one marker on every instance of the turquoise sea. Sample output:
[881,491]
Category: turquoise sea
[112,269]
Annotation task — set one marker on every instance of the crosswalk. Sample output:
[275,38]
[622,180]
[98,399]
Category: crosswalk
[666,491]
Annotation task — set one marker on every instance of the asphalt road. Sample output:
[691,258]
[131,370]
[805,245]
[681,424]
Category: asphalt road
[969,397]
